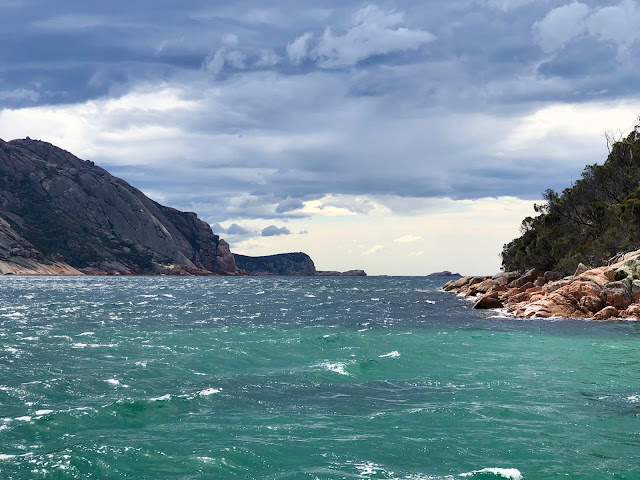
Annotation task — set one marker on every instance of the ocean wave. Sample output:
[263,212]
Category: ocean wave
[394,354]
[336,367]
[508,473]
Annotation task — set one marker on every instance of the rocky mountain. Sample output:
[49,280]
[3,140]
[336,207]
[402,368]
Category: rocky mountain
[60,214]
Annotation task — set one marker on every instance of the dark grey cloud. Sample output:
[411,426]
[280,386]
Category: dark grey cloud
[246,110]
[289,204]
[272,231]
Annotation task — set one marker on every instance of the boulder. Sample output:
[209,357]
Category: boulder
[606,313]
[551,276]
[455,284]
[505,278]
[525,287]
[540,281]
[632,311]
[528,276]
[484,286]
[552,305]
[553,286]
[487,301]
[617,294]
[580,269]
[590,304]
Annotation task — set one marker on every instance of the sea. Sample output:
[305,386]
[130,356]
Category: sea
[305,378]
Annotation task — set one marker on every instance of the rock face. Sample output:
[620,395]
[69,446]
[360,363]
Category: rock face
[281,264]
[60,212]
[602,293]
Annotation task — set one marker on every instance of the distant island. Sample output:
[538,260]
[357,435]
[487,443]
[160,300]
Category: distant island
[570,260]
[444,273]
[299,264]
[60,215]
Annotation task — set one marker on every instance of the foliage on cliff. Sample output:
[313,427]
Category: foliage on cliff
[590,222]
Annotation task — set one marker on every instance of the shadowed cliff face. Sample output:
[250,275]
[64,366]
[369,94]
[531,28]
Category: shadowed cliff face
[57,208]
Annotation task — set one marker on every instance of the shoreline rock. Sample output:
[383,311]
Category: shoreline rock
[602,293]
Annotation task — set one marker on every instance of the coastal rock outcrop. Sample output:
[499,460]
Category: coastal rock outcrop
[61,213]
[601,293]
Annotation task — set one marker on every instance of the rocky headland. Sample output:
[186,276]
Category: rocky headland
[603,293]
[60,215]
[63,215]
[589,223]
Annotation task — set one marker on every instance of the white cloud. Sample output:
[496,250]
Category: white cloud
[268,58]
[216,62]
[616,24]
[373,32]
[374,249]
[560,25]
[298,50]
[408,239]
[236,59]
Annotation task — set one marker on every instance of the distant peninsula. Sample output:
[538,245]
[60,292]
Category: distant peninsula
[60,215]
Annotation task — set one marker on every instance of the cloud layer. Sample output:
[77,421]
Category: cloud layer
[270,118]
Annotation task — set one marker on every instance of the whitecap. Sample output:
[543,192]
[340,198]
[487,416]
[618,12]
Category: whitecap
[40,413]
[161,399]
[337,367]
[634,398]
[509,473]
[209,391]
[83,334]
[116,383]
[394,354]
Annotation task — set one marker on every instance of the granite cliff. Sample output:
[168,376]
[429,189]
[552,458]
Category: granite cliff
[63,215]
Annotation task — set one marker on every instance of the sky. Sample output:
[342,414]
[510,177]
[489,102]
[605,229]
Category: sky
[401,138]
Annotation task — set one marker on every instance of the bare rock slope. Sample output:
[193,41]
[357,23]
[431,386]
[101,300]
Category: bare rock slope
[60,214]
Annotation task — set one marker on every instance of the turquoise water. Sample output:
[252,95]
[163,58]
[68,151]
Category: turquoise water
[305,378]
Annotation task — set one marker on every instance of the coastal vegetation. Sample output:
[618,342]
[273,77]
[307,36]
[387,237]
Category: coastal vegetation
[592,222]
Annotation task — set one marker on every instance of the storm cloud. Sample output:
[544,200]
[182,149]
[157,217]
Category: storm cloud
[253,111]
